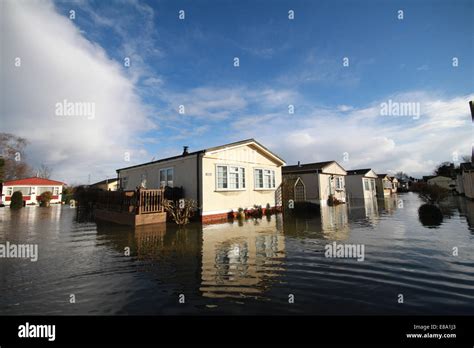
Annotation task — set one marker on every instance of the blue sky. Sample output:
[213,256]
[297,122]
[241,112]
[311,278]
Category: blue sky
[190,62]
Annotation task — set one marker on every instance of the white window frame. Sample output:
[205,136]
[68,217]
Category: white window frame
[241,171]
[9,190]
[55,191]
[166,181]
[339,183]
[272,179]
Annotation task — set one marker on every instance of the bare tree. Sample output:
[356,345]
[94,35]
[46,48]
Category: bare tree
[13,164]
[44,171]
[401,176]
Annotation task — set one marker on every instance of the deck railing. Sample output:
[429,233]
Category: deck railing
[141,201]
[150,201]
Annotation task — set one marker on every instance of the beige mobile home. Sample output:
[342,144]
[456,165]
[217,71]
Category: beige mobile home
[360,183]
[442,181]
[394,181]
[220,179]
[316,182]
[383,185]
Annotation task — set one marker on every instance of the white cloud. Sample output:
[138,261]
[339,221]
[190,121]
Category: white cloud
[58,63]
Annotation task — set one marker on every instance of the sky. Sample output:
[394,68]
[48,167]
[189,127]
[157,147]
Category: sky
[335,64]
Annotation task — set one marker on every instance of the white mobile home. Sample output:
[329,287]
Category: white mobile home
[384,185]
[31,188]
[220,179]
[317,182]
[360,183]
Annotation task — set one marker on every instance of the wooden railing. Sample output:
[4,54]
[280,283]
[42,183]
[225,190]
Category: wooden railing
[141,201]
[150,201]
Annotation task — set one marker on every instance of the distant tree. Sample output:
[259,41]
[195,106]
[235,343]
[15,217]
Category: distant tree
[12,153]
[16,200]
[401,176]
[44,171]
[466,158]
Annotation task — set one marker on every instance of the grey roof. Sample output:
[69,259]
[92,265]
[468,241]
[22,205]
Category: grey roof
[308,167]
[358,171]
[111,180]
[203,151]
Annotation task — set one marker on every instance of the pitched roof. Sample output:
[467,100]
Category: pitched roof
[308,167]
[35,181]
[382,176]
[358,171]
[110,181]
[237,143]
[467,166]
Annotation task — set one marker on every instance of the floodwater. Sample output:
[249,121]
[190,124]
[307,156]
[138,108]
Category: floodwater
[274,265]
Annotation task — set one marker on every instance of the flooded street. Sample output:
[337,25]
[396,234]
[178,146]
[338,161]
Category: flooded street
[249,267]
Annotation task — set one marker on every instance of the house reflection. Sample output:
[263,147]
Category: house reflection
[364,210]
[466,209]
[388,204]
[328,222]
[241,259]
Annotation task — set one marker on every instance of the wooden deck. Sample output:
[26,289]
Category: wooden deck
[135,208]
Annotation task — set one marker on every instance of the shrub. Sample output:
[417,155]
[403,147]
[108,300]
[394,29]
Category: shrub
[430,215]
[432,194]
[17,200]
[45,198]
[180,211]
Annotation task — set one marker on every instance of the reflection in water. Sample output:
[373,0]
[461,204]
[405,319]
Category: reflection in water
[243,267]
[238,260]
[327,222]
[364,210]
[466,209]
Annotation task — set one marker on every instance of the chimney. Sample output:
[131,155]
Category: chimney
[185,150]
[299,164]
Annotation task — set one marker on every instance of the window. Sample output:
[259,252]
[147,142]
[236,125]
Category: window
[56,191]
[339,183]
[9,191]
[26,191]
[166,177]
[300,195]
[230,177]
[372,185]
[264,178]
[366,184]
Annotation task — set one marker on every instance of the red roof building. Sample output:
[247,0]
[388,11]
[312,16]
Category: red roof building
[31,188]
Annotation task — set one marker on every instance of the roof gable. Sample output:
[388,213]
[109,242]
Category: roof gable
[364,172]
[312,167]
[248,142]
